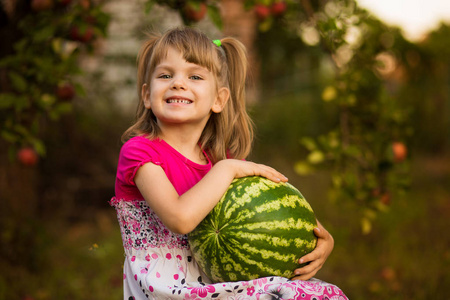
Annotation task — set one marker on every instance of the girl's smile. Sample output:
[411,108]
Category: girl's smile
[178,100]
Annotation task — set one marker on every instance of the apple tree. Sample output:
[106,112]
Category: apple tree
[42,41]
[365,147]
[191,11]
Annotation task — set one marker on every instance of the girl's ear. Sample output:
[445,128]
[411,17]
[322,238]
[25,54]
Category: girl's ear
[145,95]
[221,100]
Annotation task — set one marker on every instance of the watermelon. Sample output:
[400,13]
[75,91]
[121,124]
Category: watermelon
[259,228]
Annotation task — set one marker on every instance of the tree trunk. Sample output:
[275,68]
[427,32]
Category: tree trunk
[242,25]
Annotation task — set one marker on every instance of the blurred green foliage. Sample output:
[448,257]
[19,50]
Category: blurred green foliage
[372,83]
[40,63]
[191,11]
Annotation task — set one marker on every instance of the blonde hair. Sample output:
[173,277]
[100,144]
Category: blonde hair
[226,134]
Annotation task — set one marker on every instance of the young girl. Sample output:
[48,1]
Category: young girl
[189,142]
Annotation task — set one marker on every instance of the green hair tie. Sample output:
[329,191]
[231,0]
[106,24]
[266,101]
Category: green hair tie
[218,43]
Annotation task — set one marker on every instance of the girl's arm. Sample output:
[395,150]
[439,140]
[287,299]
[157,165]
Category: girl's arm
[181,214]
[325,244]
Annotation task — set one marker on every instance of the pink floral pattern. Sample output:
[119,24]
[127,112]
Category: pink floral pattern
[159,265]
[141,228]
[203,291]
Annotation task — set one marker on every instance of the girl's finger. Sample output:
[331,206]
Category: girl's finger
[320,233]
[312,256]
[304,276]
[271,173]
[308,268]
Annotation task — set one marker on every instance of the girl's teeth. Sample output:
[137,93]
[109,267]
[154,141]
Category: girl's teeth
[178,101]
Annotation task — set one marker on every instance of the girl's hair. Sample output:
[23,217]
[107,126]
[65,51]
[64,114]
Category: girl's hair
[226,134]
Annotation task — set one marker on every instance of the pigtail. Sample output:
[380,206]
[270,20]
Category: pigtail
[239,133]
[145,120]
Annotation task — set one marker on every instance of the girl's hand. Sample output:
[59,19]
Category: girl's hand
[325,244]
[242,168]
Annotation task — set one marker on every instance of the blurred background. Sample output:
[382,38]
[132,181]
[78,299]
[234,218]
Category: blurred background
[351,101]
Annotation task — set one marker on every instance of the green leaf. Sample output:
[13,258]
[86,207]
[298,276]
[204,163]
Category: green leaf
[18,81]
[9,136]
[249,4]
[309,143]
[194,4]
[20,45]
[266,24]
[22,130]
[337,180]
[44,34]
[21,102]
[64,107]
[329,93]
[316,157]
[39,146]
[79,90]
[366,225]
[47,100]
[6,100]
[303,168]
[12,150]
[60,109]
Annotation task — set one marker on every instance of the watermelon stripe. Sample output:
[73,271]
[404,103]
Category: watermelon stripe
[290,223]
[247,263]
[243,267]
[274,206]
[247,195]
[267,254]
[275,241]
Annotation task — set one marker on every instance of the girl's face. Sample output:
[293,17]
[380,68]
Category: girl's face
[181,92]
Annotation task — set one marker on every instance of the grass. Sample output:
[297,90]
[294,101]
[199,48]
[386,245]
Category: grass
[82,260]
[406,255]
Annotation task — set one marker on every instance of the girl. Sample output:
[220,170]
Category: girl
[189,142]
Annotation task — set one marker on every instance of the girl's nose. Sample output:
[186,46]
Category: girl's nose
[178,84]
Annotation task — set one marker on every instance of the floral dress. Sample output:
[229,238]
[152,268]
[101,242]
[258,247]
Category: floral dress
[159,264]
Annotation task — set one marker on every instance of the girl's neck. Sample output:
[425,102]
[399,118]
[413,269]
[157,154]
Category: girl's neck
[186,143]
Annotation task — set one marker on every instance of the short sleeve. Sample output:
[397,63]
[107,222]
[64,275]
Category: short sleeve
[135,153]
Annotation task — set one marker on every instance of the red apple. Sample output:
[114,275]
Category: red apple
[278,8]
[85,4]
[65,91]
[40,5]
[388,274]
[193,13]
[262,12]
[27,156]
[385,198]
[400,151]
[82,36]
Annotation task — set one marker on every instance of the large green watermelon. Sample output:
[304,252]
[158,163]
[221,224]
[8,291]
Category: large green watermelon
[259,228]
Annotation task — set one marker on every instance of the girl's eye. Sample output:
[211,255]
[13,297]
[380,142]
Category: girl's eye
[164,76]
[196,77]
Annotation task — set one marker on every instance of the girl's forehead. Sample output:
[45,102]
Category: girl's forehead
[176,56]
[172,53]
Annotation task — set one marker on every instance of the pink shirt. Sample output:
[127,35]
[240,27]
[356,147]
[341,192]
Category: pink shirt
[137,151]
